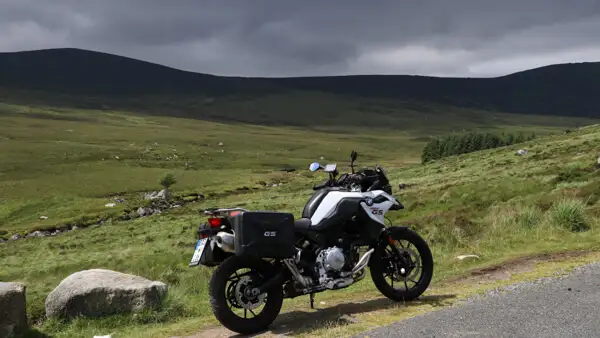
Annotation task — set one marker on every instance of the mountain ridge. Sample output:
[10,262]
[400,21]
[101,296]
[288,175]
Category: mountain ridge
[78,77]
[81,50]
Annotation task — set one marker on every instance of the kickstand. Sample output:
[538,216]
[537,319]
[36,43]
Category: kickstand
[312,300]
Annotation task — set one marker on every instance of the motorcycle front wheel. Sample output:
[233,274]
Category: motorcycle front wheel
[231,302]
[402,270]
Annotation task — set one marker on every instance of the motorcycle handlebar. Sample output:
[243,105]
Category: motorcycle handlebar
[343,181]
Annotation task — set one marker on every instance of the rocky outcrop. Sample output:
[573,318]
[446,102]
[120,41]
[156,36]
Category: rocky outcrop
[163,194]
[13,309]
[98,292]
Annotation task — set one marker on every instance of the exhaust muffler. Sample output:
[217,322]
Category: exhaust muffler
[225,241]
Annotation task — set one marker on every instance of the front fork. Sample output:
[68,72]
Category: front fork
[398,261]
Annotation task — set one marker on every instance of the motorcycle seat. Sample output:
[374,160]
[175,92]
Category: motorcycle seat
[302,224]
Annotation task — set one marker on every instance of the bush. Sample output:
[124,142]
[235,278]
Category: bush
[570,175]
[167,181]
[467,143]
[569,214]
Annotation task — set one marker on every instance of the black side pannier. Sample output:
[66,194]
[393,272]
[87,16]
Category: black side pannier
[264,234]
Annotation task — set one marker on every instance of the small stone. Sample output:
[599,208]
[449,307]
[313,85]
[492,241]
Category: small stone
[461,257]
[521,152]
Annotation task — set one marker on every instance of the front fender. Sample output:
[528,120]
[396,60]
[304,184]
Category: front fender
[399,229]
[388,234]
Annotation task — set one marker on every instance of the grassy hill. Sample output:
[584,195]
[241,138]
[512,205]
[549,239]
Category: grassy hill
[84,79]
[63,164]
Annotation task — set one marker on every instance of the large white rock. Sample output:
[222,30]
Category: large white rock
[163,194]
[98,292]
[13,309]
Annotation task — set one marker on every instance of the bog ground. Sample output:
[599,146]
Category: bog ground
[68,164]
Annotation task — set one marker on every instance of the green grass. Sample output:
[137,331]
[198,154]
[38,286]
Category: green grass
[62,164]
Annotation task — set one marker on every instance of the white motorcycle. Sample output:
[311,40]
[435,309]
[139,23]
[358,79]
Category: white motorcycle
[286,257]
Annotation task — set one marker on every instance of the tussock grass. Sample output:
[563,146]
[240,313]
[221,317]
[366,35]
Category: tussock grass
[569,214]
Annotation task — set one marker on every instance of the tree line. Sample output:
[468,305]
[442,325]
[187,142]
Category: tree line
[461,144]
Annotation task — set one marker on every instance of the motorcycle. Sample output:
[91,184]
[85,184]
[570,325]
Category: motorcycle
[287,257]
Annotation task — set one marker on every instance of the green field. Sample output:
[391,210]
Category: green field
[61,163]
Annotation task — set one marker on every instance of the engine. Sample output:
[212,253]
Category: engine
[333,259]
[329,263]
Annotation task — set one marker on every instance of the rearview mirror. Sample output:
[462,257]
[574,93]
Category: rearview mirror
[330,168]
[353,156]
[314,166]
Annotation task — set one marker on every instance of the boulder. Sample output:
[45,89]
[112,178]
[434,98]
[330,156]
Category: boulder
[141,211]
[163,194]
[99,292]
[521,152]
[38,234]
[13,309]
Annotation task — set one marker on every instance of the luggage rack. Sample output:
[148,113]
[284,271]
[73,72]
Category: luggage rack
[221,211]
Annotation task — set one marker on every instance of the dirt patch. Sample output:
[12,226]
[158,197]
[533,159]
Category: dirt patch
[508,268]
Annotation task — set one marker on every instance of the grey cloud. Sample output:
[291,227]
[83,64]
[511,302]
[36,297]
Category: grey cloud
[290,38]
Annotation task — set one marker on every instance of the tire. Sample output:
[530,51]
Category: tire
[219,302]
[378,267]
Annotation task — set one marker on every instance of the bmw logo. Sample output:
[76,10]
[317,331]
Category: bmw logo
[369,201]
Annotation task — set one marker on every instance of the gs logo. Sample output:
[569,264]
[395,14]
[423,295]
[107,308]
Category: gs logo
[376,211]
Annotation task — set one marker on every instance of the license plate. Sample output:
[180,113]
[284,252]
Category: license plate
[200,245]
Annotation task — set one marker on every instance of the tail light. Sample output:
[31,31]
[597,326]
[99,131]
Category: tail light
[215,222]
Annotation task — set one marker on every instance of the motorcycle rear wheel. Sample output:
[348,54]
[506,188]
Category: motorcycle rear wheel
[402,267]
[225,297]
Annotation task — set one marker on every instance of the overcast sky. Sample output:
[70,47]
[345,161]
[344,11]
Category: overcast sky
[309,37]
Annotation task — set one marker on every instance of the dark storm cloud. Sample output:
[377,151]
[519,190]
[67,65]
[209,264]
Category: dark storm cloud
[279,38]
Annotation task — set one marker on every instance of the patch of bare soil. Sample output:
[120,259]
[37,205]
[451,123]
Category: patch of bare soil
[508,268]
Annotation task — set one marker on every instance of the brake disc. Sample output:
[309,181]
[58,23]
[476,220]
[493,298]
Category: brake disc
[249,303]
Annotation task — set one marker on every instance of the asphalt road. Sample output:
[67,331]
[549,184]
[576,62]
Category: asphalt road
[551,307]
